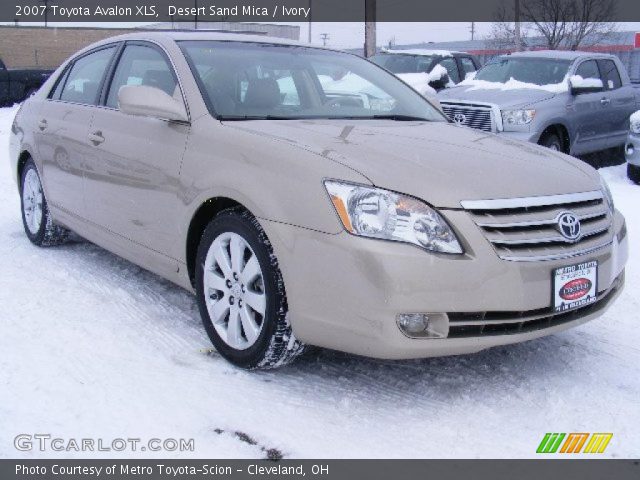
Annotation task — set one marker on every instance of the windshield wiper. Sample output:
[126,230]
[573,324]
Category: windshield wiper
[399,118]
[257,117]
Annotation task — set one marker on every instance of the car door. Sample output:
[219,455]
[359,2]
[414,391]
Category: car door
[132,186]
[620,103]
[63,124]
[588,110]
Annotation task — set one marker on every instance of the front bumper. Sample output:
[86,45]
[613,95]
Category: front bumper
[345,292]
[632,149]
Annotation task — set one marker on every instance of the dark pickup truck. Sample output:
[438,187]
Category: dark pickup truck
[18,84]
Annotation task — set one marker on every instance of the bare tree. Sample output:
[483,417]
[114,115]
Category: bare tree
[562,24]
[504,32]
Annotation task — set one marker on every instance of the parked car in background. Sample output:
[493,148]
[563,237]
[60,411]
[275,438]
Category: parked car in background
[632,148]
[442,68]
[18,84]
[574,102]
[301,212]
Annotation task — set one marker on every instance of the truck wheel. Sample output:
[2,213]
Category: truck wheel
[241,294]
[633,172]
[552,141]
[36,218]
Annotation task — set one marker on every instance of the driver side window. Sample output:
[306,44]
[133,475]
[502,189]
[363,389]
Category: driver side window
[142,65]
[588,69]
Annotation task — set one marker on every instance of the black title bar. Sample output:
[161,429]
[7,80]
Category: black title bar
[286,10]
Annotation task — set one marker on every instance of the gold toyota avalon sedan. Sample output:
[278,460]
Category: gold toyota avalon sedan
[309,197]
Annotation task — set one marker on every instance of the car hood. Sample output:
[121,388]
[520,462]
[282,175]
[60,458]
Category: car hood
[438,162]
[503,98]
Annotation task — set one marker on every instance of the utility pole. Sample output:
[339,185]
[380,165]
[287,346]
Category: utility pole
[46,11]
[473,30]
[517,26]
[195,24]
[325,38]
[369,28]
[310,13]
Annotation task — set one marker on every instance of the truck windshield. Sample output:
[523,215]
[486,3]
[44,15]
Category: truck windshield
[404,63]
[538,71]
[254,81]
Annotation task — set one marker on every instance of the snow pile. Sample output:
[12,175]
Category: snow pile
[512,84]
[634,121]
[95,347]
[578,81]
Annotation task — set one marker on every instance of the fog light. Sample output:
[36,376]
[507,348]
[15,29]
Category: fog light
[423,325]
[413,323]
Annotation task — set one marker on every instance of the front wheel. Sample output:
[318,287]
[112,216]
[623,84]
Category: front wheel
[241,294]
[36,218]
[633,172]
[551,141]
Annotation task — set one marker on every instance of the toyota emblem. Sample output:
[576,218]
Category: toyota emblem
[569,226]
[460,118]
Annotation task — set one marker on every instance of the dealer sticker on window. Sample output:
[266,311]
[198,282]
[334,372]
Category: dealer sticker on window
[575,286]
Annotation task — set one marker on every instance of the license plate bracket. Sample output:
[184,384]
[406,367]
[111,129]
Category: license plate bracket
[574,286]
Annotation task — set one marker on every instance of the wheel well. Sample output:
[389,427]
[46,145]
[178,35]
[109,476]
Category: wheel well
[22,161]
[562,133]
[199,222]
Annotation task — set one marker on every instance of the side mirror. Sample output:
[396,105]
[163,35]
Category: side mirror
[146,101]
[578,85]
[440,83]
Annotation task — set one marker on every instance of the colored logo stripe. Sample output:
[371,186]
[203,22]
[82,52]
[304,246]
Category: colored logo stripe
[574,443]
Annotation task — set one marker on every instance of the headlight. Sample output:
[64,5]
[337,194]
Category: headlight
[517,117]
[607,194]
[635,123]
[376,213]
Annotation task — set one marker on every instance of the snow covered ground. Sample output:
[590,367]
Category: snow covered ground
[93,346]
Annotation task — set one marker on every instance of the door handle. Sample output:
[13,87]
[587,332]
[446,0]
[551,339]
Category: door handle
[96,138]
[42,125]
[605,101]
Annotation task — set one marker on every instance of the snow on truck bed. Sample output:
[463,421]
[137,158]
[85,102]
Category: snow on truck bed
[94,346]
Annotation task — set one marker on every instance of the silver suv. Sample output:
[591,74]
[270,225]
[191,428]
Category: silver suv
[309,197]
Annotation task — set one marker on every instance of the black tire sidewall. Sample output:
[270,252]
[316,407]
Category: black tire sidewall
[633,172]
[549,140]
[241,225]
[38,237]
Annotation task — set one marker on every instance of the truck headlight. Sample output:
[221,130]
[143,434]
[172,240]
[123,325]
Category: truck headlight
[376,213]
[517,117]
[607,194]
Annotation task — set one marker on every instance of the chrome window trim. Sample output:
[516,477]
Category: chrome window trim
[524,202]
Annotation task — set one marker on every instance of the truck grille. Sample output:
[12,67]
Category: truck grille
[474,116]
[527,229]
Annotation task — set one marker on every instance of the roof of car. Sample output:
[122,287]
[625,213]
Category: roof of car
[559,54]
[421,52]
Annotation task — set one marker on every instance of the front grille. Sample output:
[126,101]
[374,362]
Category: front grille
[526,229]
[478,324]
[474,116]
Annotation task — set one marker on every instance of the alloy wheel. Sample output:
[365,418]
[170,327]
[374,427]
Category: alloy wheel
[32,199]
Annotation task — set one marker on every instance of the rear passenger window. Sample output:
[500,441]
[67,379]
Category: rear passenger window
[57,91]
[588,69]
[610,74]
[84,79]
[141,65]
[452,69]
[467,65]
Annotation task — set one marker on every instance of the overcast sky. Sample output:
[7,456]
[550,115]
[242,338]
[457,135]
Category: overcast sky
[351,34]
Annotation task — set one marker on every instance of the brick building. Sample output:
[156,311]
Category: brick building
[25,47]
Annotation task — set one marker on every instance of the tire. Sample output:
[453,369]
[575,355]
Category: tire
[36,217]
[552,141]
[633,172]
[255,334]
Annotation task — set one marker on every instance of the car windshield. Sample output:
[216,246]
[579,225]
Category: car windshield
[537,71]
[246,81]
[404,63]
